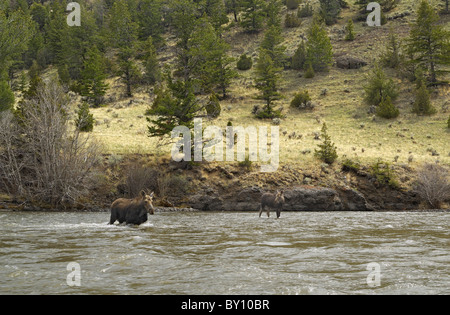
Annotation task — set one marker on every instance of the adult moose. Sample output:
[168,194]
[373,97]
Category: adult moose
[132,211]
[272,201]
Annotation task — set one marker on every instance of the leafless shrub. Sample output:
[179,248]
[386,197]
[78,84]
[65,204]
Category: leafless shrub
[140,177]
[433,185]
[172,185]
[42,158]
[11,159]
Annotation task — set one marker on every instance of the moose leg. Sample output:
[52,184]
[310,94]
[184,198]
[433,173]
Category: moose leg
[268,212]
[113,218]
[260,210]
[278,212]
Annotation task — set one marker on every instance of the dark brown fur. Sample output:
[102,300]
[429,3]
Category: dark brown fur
[274,201]
[132,211]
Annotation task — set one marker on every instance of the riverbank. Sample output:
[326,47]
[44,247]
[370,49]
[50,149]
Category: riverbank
[347,186]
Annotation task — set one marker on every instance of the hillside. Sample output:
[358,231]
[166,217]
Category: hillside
[122,127]
[368,147]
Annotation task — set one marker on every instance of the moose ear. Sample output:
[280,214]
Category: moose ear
[142,194]
[151,195]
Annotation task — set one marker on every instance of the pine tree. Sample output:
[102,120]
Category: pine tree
[35,80]
[213,108]
[422,105]
[224,73]
[309,72]
[6,97]
[77,41]
[233,6]
[386,5]
[174,106]
[64,75]
[215,10]
[16,30]
[92,83]
[150,20]
[350,36]
[128,69]
[85,120]
[379,87]
[123,30]
[253,15]
[392,58]
[267,77]
[151,64]
[56,32]
[272,45]
[208,61]
[387,109]
[123,35]
[327,150]
[183,19]
[318,48]
[23,82]
[446,10]
[429,42]
[273,10]
[244,62]
[329,10]
[299,58]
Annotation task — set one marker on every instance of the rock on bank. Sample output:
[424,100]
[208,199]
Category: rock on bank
[297,199]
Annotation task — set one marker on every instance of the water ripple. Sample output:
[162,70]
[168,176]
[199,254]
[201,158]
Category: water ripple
[226,253]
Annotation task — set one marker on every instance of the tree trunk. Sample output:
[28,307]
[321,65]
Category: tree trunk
[128,79]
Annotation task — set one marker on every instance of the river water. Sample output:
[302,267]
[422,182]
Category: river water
[226,253]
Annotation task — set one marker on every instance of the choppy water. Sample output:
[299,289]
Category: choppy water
[226,253]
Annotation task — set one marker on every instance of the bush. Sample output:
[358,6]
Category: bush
[266,114]
[309,73]
[448,122]
[384,174]
[318,46]
[244,62]
[44,159]
[6,97]
[247,164]
[138,178]
[292,4]
[305,11]
[292,20]
[387,110]
[327,150]
[432,185]
[422,104]
[350,31]
[213,108]
[379,87]
[172,185]
[350,166]
[85,120]
[299,58]
[302,100]
[393,57]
